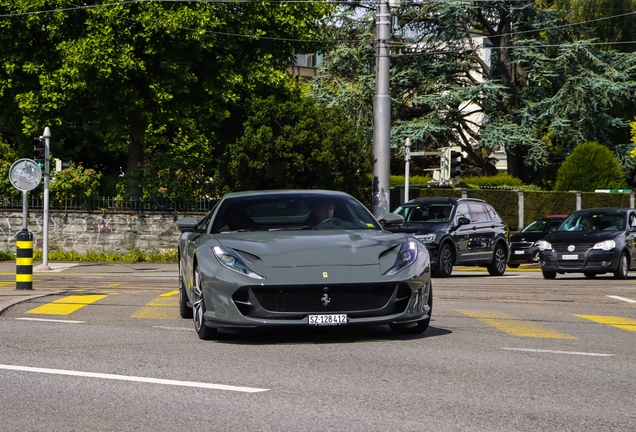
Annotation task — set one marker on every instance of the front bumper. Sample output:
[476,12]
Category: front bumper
[591,260]
[523,255]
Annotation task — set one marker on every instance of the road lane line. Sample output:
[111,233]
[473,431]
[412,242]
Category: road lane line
[559,352]
[51,320]
[133,379]
[618,322]
[622,299]
[66,305]
[174,328]
[170,294]
[159,308]
[514,325]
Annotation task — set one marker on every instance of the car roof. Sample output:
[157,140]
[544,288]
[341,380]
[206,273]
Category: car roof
[603,209]
[442,200]
[556,216]
[260,193]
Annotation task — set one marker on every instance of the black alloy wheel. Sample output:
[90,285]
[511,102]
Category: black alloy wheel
[444,261]
[184,310]
[198,310]
[498,265]
[623,267]
[548,274]
[419,327]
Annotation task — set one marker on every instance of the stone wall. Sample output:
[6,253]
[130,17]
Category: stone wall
[95,231]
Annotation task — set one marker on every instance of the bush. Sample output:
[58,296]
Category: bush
[499,180]
[131,256]
[590,166]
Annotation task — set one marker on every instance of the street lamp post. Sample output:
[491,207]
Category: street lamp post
[407,168]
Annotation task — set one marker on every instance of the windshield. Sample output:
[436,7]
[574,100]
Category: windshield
[593,221]
[536,226]
[437,212]
[292,211]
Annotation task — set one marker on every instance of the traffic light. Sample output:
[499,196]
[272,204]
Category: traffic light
[456,166]
[59,165]
[39,151]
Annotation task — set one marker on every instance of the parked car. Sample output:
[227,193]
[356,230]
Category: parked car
[524,246]
[300,258]
[457,231]
[592,242]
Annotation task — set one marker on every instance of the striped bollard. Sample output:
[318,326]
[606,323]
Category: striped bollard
[24,261]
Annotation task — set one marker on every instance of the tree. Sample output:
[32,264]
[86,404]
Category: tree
[143,87]
[590,166]
[295,143]
[9,156]
[545,89]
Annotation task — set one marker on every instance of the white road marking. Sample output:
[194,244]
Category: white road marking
[558,352]
[622,299]
[58,267]
[52,320]
[132,378]
[174,328]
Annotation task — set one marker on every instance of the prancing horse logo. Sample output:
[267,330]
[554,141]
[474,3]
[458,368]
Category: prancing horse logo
[325,299]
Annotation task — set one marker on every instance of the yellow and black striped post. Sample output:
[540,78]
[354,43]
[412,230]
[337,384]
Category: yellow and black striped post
[24,261]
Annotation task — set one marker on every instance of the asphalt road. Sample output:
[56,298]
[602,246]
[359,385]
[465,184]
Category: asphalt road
[511,353]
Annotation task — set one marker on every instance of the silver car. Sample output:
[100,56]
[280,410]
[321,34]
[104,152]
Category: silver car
[300,258]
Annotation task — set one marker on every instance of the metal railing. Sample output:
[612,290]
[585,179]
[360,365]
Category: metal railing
[131,204]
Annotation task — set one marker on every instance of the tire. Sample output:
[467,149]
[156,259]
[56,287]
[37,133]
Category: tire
[198,310]
[589,275]
[498,265]
[184,310]
[419,327]
[548,274]
[444,262]
[623,267]
[513,265]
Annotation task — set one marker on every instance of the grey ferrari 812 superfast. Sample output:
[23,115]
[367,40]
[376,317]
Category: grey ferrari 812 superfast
[300,258]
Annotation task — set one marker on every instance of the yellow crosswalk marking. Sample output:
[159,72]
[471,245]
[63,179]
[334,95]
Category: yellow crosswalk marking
[170,294]
[618,322]
[66,305]
[514,325]
[159,308]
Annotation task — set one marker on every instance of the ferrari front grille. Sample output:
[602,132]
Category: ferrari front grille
[326,299]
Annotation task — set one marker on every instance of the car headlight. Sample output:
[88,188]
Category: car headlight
[605,245]
[231,260]
[544,245]
[425,238]
[406,256]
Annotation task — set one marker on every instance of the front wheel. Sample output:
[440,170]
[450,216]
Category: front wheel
[445,261]
[623,267]
[498,265]
[198,310]
[548,274]
[184,310]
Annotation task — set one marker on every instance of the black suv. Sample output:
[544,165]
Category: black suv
[457,231]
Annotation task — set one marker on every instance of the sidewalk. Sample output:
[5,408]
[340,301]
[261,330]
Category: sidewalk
[10,296]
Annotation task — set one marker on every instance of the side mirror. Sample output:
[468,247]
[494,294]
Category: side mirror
[392,219]
[187,224]
[463,221]
[552,229]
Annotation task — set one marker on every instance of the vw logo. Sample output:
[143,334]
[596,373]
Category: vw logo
[571,248]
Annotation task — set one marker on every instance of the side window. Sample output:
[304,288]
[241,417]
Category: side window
[632,220]
[492,214]
[478,213]
[462,211]
[205,222]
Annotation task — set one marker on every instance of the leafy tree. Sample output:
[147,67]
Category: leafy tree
[295,143]
[74,182]
[9,156]
[590,166]
[545,89]
[144,87]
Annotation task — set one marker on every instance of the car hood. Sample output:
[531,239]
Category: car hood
[427,228]
[529,237]
[557,237]
[313,248]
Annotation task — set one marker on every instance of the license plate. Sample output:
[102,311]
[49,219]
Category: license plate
[327,320]
[518,252]
[570,257]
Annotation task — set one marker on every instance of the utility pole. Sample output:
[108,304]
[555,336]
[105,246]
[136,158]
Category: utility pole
[47,175]
[382,113]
